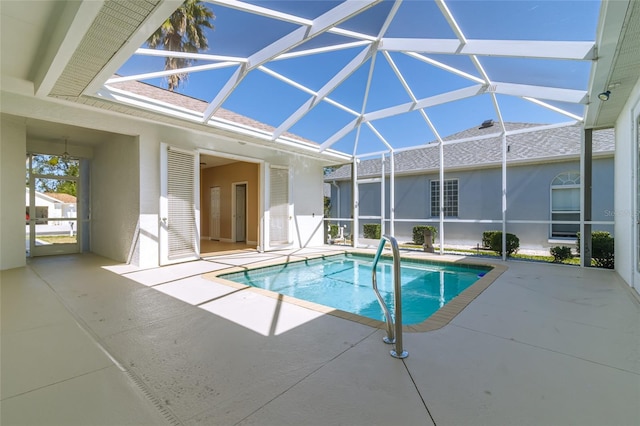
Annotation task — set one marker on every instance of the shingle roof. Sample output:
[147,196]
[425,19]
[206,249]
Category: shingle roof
[65,198]
[542,145]
[193,104]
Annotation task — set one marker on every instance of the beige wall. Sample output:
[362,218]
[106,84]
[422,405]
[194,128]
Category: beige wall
[224,177]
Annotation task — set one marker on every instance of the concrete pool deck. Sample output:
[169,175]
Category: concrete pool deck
[87,341]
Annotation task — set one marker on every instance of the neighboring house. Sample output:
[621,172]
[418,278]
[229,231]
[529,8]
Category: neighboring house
[543,184]
[51,205]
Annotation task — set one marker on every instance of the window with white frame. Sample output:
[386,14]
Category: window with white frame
[565,204]
[450,192]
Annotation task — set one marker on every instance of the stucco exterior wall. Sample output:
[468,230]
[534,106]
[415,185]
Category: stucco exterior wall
[224,177]
[626,206]
[115,197]
[13,143]
[528,198]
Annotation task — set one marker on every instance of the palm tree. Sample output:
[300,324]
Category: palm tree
[183,31]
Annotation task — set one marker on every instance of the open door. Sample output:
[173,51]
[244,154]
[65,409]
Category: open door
[280,214]
[179,205]
[51,206]
[239,212]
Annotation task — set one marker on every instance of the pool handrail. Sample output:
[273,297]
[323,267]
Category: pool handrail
[394,330]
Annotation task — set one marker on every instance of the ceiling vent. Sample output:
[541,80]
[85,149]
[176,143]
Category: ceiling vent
[486,123]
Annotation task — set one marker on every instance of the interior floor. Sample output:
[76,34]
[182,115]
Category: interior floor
[212,247]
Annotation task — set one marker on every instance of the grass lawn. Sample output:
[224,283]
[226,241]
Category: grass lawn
[58,239]
[489,253]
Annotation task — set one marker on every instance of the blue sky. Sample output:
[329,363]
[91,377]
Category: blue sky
[264,98]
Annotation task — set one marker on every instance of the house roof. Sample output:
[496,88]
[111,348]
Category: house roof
[65,198]
[193,104]
[482,147]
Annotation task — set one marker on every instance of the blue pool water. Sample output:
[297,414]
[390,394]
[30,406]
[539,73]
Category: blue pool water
[344,282]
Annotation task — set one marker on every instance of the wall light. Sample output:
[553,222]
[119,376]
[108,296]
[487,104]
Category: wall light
[604,96]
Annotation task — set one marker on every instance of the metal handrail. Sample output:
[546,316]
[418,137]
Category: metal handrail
[394,331]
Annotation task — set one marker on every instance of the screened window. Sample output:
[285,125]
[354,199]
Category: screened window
[450,207]
[565,204]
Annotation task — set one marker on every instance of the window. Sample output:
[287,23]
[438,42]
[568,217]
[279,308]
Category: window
[565,204]
[450,207]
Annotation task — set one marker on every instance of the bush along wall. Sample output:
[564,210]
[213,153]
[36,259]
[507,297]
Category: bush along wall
[495,243]
[372,230]
[418,234]
[602,245]
[486,238]
[560,253]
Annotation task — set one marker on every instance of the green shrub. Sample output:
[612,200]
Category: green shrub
[333,231]
[418,234]
[560,253]
[495,243]
[372,230]
[602,249]
[486,238]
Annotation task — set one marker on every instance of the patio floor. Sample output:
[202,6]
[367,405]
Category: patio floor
[87,341]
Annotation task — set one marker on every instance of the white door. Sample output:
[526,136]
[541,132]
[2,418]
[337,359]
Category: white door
[214,225]
[179,206]
[241,213]
[279,214]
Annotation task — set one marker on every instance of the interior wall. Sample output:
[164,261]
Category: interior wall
[224,177]
[115,197]
[13,148]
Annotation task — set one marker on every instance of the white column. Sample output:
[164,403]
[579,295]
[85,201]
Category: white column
[356,196]
[392,195]
[13,150]
[585,197]
[504,196]
[441,230]
[382,200]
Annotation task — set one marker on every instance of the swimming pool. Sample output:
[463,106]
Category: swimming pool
[344,282]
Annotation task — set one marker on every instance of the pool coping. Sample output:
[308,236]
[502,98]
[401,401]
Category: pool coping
[439,319]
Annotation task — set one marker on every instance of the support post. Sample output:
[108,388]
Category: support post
[382,199]
[392,195]
[354,209]
[504,195]
[586,173]
[441,222]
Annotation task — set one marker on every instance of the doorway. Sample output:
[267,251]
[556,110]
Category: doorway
[215,214]
[51,205]
[239,214]
[239,203]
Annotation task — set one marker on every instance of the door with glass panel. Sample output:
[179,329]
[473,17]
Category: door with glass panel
[51,205]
